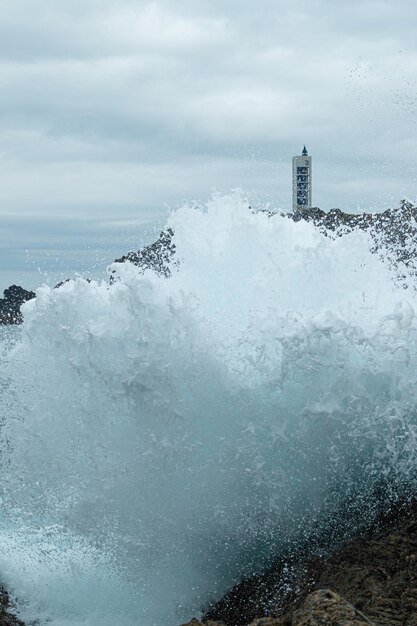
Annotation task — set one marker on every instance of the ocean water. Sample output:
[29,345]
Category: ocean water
[162,438]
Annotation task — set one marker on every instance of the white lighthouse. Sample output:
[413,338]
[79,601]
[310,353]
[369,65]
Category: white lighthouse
[301,181]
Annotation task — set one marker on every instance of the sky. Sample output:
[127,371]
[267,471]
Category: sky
[115,112]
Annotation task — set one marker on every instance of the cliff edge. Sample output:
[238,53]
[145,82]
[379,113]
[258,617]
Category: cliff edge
[370,580]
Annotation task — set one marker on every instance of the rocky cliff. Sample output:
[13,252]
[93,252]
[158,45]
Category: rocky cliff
[393,233]
[369,580]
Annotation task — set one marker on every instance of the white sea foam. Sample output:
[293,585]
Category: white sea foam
[165,437]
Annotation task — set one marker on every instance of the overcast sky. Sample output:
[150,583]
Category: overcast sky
[113,112]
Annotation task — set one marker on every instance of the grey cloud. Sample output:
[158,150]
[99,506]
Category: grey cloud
[122,108]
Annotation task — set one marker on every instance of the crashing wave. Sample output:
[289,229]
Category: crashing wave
[166,438]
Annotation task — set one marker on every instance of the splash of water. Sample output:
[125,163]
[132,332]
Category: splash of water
[165,437]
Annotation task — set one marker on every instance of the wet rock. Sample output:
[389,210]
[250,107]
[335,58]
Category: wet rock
[323,607]
[327,608]
[7,618]
[393,232]
[379,576]
[369,580]
[13,298]
[158,256]
[269,621]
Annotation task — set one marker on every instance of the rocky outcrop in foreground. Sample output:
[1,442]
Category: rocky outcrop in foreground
[371,580]
[323,607]
[7,618]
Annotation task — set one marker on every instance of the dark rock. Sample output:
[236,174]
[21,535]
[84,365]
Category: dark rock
[393,232]
[10,304]
[323,607]
[327,608]
[158,256]
[13,299]
[7,618]
[375,576]
[379,576]
[68,280]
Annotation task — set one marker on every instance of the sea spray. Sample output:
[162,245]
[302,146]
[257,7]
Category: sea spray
[165,437]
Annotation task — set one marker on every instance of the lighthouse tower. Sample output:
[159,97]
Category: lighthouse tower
[301,181]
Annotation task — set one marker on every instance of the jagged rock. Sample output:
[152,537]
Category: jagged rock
[375,576]
[68,280]
[327,608]
[10,304]
[378,576]
[323,607]
[268,621]
[13,299]
[158,256]
[6,616]
[394,231]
